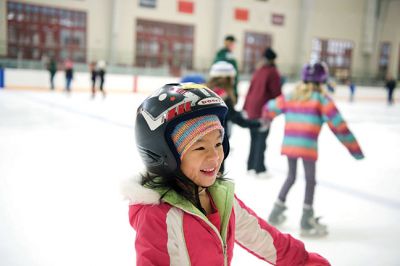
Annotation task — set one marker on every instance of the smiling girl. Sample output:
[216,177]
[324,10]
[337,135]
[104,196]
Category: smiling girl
[184,212]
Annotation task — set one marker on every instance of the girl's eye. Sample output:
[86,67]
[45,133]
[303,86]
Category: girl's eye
[218,144]
[199,149]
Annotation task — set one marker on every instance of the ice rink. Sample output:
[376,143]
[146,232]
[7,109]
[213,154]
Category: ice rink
[62,160]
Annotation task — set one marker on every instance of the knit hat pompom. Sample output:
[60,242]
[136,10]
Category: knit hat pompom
[186,133]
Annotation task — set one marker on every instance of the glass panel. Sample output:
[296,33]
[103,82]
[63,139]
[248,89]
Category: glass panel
[79,39]
[255,44]
[12,34]
[78,56]
[42,34]
[65,37]
[49,37]
[336,53]
[159,44]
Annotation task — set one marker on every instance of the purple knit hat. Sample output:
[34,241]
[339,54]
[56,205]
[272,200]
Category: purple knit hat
[316,72]
[186,133]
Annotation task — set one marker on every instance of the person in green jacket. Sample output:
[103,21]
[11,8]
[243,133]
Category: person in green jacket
[226,54]
[52,68]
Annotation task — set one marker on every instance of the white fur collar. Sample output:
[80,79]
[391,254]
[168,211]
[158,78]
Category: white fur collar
[133,191]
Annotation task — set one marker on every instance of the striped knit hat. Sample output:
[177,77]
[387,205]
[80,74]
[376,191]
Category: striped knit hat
[186,133]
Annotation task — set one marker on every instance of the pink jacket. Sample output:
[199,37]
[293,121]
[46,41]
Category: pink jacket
[171,231]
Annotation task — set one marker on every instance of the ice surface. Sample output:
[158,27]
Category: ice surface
[62,160]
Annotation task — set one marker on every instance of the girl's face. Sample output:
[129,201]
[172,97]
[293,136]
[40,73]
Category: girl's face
[202,161]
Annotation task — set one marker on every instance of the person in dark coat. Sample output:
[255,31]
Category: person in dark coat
[69,74]
[265,85]
[93,77]
[390,86]
[101,72]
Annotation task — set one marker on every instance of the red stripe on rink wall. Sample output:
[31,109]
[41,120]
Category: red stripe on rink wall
[135,83]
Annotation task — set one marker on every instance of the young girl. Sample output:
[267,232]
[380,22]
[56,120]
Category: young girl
[306,109]
[222,76]
[183,211]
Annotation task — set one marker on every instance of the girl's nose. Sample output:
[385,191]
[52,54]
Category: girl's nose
[213,154]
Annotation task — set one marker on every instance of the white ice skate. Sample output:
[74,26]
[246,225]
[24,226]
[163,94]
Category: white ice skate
[277,217]
[310,227]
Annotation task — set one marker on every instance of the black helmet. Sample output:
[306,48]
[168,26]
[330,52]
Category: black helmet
[158,115]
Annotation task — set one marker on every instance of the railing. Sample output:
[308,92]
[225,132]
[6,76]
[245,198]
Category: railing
[289,71]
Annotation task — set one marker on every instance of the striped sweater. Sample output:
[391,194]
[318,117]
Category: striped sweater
[304,120]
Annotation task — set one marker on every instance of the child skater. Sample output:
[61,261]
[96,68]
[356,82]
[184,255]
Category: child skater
[184,212]
[222,78]
[306,109]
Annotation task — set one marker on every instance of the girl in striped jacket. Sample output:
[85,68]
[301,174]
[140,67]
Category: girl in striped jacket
[184,212]
[306,109]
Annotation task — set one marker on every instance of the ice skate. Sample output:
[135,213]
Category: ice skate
[263,175]
[252,173]
[276,217]
[310,226]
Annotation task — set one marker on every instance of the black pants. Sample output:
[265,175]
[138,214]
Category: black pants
[258,145]
[390,95]
[309,171]
[101,77]
[52,80]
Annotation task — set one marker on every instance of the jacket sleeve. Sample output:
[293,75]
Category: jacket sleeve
[274,85]
[336,123]
[274,108]
[151,237]
[265,241]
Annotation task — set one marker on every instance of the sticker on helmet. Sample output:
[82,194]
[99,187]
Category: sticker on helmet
[211,100]
[178,108]
[190,85]
[162,97]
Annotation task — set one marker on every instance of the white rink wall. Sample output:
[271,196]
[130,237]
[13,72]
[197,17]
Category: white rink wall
[39,80]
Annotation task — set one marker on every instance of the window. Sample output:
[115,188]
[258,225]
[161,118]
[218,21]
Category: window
[336,53]
[34,31]
[254,47]
[164,44]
